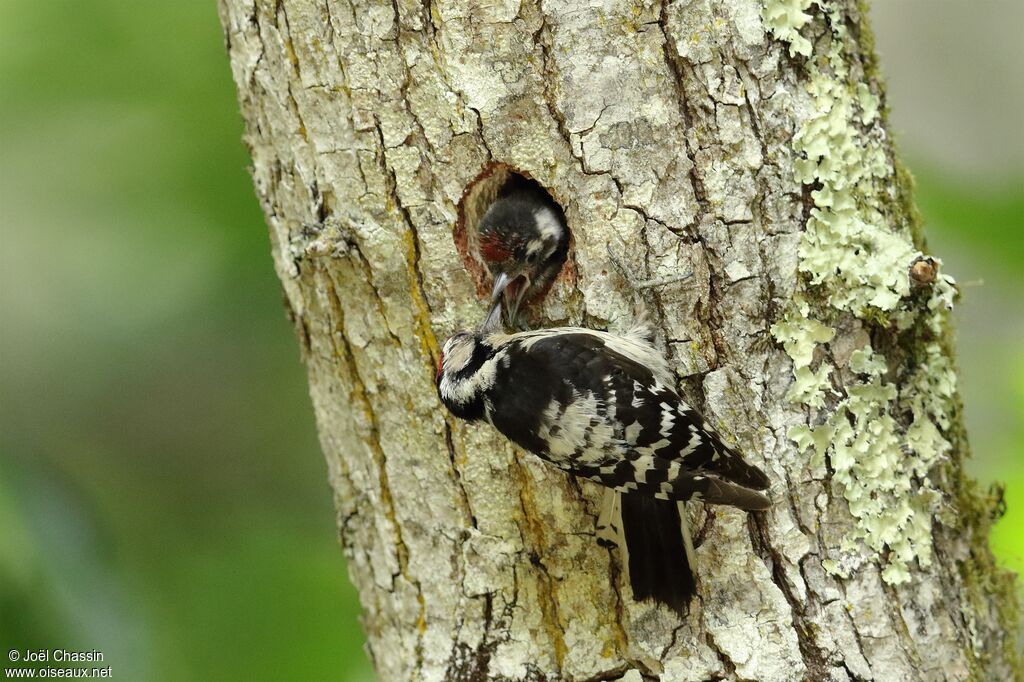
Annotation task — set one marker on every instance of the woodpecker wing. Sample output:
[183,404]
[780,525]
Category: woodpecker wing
[601,406]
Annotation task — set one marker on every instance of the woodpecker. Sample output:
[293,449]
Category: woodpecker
[523,241]
[603,406]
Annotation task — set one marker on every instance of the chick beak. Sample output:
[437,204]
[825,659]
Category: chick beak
[500,283]
[513,288]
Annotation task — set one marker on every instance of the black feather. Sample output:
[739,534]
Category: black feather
[564,366]
[658,568]
[569,397]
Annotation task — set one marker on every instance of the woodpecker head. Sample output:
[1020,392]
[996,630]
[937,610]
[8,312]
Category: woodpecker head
[524,242]
[466,368]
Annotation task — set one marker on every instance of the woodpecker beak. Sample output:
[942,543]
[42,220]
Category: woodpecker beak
[492,323]
[513,289]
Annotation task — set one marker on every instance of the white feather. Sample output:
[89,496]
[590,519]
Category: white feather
[548,224]
[635,348]
[457,353]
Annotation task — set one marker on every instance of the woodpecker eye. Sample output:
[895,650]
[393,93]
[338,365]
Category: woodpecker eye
[532,258]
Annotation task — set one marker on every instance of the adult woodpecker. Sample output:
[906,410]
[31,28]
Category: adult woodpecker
[603,406]
[524,242]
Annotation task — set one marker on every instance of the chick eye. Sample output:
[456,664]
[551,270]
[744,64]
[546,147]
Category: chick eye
[532,258]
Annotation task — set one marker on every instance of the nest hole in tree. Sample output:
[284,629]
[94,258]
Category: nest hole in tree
[494,181]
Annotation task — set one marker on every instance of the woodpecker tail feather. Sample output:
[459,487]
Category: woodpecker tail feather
[609,520]
[658,551]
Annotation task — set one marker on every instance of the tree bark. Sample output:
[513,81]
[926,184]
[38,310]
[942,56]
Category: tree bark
[742,141]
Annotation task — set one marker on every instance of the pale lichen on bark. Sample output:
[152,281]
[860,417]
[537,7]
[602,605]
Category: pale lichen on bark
[685,135]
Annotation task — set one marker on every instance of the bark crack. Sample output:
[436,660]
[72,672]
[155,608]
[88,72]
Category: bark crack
[372,438]
[815,659]
[672,60]
[499,81]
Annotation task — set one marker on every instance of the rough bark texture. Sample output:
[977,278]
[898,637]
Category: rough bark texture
[743,141]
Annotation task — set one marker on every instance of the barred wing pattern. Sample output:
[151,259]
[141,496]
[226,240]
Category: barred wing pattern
[585,402]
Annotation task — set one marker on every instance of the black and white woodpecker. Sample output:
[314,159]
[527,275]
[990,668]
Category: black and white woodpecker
[603,406]
[524,242]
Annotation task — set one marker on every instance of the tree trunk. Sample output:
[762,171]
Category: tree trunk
[740,141]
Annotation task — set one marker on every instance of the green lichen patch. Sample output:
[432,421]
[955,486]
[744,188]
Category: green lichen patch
[800,335]
[785,18]
[849,249]
[891,426]
[881,465]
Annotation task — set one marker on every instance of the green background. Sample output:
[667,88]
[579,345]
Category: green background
[162,493]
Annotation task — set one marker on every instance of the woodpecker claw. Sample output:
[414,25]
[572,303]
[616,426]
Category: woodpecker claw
[641,284]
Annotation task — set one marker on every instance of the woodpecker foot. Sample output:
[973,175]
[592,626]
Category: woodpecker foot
[640,284]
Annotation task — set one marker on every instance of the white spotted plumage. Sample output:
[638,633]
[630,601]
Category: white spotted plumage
[598,405]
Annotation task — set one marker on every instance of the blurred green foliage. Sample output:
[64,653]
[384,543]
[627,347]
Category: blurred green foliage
[162,493]
[976,226]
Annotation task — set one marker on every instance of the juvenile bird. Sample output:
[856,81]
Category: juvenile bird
[523,241]
[603,406]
